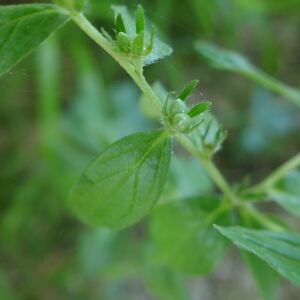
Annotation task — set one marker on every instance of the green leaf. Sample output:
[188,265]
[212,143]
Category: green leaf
[72,4]
[232,61]
[124,182]
[183,235]
[139,19]
[158,49]
[138,44]
[265,277]
[188,89]
[120,26]
[165,283]
[287,193]
[199,108]
[280,250]
[123,42]
[23,28]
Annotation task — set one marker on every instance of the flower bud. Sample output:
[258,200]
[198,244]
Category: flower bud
[181,122]
[177,106]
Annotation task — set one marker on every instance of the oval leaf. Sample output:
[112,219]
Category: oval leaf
[281,250]
[23,28]
[183,235]
[123,183]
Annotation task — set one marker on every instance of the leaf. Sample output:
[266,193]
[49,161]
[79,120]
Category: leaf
[265,277]
[199,108]
[120,26]
[72,4]
[232,61]
[159,49]
[139,20]
[287,193]
[138,44]
[23,28]
[124,182]
[183,235]
[164,283]
[280,250]
[188,89]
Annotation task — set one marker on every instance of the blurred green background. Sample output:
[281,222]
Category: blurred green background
[68,100]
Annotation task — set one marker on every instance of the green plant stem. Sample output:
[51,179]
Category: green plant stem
[274,85]
[262,219]
[275,176]
[141,82]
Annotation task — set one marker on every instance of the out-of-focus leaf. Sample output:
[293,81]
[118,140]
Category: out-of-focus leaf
[159,49]
[95,250]
[187,179]
[232,61]
[23,28]
[165,283]
[265,6]
[287,193]
[123,183]
[6,291]
[281,250]
[265,277]
[183,235]
[72,4]
[262,133]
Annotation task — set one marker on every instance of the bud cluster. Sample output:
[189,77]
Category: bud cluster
[178,117]
[137,44]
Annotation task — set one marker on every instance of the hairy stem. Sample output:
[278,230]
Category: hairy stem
[141,82]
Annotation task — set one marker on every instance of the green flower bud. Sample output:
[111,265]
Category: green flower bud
[138,44]
[177,106]
[181,122]
[123,42]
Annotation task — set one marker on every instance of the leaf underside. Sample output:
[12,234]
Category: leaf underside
[123,183]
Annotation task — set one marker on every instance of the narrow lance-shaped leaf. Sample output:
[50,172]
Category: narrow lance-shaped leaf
[188,89]
[23,28]
[138,44]
[235,62]
[280,250]
[139,19]
[124,182]
[120,26]
[199,108]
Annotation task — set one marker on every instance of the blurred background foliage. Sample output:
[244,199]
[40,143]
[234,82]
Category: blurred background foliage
[69,99]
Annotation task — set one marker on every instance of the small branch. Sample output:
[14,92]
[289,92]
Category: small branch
[141,82]
[262,219]
[278,174]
